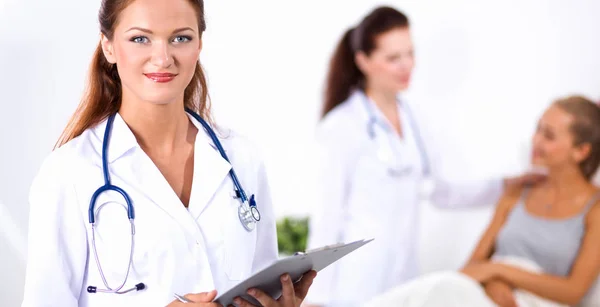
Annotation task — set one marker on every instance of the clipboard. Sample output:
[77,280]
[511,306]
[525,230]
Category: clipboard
[268,279]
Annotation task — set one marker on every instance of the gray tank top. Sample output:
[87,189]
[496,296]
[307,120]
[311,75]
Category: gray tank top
[551,243]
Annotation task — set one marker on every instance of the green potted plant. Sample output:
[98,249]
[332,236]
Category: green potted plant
[292,234]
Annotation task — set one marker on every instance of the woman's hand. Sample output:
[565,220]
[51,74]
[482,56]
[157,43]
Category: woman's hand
[501,293]
[292,295]
[525,179]
[481,271]
[203,299]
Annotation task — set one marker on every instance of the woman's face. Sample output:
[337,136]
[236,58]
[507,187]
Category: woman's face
[390,64]
[155,46]
[553,142]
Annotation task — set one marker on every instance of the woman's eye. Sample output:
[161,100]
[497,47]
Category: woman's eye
[139,39]
[182,39]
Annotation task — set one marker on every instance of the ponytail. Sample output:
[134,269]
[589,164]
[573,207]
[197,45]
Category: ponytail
[343,74]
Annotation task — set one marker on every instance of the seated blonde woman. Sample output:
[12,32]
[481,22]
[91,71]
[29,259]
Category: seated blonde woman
[542,247]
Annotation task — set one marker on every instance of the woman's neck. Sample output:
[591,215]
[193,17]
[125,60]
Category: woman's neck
[385,101]
[159,128]
[566,183]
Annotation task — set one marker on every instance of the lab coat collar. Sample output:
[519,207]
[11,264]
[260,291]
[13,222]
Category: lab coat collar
[210,168]
[121,139]
[361,101]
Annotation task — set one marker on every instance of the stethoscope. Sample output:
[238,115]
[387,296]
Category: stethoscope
[247,211]
[390,156]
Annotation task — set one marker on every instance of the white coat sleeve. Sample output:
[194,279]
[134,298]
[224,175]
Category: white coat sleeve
[329,187]
[453,193]
[466,193]
[266,245]
[57,243]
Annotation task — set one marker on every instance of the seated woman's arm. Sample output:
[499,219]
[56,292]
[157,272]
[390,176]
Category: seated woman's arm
[485,247]
[567,290]
[498,290]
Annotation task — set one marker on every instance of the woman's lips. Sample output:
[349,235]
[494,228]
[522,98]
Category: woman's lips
[161,77]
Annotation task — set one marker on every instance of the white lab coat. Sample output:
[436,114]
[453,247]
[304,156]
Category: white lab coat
[177,250]
[356,198]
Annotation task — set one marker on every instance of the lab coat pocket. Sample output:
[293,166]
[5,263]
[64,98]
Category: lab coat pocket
[384,165]
[154,248]
[240,245]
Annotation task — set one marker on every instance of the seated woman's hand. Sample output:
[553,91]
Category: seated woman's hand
[525,179]
[501,293]
[481,271]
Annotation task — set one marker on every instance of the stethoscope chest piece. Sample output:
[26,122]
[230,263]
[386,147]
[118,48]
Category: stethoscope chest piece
[249,214]
[255,213]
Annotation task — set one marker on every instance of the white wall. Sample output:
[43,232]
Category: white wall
[487,69]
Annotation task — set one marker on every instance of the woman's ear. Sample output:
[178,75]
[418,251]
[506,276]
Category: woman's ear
[108,50]
[582,152]
[362,61]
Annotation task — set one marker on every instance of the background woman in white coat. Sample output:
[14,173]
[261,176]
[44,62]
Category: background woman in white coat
[542,246]
[373,161]
[132,138]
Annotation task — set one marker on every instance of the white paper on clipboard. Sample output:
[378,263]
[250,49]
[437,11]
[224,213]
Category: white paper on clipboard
[268,279]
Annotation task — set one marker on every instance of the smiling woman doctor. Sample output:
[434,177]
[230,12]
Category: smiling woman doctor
[373,159]
[142,201]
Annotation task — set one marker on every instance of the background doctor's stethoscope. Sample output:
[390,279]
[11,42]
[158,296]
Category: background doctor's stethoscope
[390,147]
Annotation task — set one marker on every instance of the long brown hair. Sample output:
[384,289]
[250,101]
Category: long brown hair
[344,76]
[585,129]
[103,91]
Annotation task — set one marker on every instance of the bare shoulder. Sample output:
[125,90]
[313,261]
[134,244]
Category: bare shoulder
[593,215]
[509,199]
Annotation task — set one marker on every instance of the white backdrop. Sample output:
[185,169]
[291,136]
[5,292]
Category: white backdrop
[485,69]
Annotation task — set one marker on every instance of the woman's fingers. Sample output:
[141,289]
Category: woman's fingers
[263,298]
[304,284]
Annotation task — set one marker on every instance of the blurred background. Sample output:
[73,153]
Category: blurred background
[485,71]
